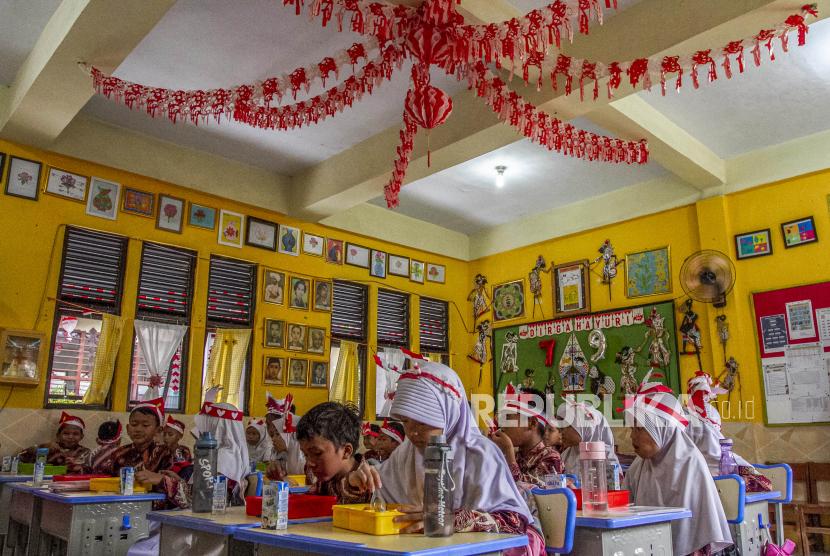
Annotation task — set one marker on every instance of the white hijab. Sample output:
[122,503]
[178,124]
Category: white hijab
[264,449]
[592,427]
[295,463]
[480,472]
[707,439]
[232,447]
[677,477]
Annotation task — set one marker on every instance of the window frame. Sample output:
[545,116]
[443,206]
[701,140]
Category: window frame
[362,341]
[431,349]
[406,344]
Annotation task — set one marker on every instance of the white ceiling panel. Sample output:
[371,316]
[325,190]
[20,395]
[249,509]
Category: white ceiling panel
[21,24]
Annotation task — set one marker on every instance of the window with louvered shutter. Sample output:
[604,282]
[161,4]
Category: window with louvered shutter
[231,293]
[393,319]
[434,325]
[349,315]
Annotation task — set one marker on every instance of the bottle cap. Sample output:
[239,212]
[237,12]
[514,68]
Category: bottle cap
[43,450]
[726,441]
[438,439]
[592,450]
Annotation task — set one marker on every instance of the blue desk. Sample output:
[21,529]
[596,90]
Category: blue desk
[629,531]
[324,538]
[744,512]
[17,517]
[6,500]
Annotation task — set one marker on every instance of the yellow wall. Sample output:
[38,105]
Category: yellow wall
[34,229]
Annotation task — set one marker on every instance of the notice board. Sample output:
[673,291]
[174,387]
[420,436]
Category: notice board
[792,328]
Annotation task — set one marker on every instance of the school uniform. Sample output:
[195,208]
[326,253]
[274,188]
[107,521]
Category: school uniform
[264,449]
[592,427]
[77,460]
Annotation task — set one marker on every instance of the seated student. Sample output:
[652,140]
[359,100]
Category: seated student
[109,440]
[430,400]
[584,424]
[669,471]
[171,435]
[281,423]
[391,437]
[143,453]
[66,447]
[704,430]
[371,436]
[260,447]
[534,460]
[553,436]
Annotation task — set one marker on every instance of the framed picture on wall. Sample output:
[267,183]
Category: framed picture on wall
[571,288]
[378,269]
[357,255]
[508,301]
[799,232]
[313,245]
[300,293]
[138,202]
[316,340]
[261,233]
[273,370]
[435,273]
[23,178]
[297,372]
[274,330]
[334,251]
[273,287]
[170,215]
[289,242]
[322,295]
[319,374]
[648,272]
[68,185]
[103,198]
[416,271]
[230,228]
[200,216]
[296,336]
[398,266]
[23,356]
[753,244]
[2,165]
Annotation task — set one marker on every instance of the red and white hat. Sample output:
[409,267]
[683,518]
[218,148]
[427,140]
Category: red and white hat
[174,424]
[156,405]
[516,402]
[278,407]
[701,389]
[416,361]
[67,419]
[367,430]
[391,432]
[213,410]
[651,397]
[256,423]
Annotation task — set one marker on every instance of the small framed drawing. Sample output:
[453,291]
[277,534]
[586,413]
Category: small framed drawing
[261,233]
[170,215]
[508,301]
[289,243]
[416,271]
[200,216]
[230,228]
[753,244]
[300,291]
[297,372]
[316,340]
[319,374]
[23,356]
[648,273]
[334,251]
[296,336]
[274,287]
[398,266]
[103,198]
[313,245]
[61,183]
[571,288]
[357,255]
[138,202]
[23,178]
[378,269]
[799,232]
[272,370]
[274,330]
[435,273]
[322,296]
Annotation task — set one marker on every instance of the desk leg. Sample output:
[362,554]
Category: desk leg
[779,524]
[33,544]
[5,504]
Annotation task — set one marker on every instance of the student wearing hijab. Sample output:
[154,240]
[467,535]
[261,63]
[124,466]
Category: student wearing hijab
[430,400]
[281,423]
[260,447]
[669,471]
[583,423]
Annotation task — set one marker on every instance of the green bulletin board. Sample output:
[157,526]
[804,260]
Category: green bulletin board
[618,335]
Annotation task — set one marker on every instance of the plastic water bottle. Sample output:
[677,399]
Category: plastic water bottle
[204,469]
[728,465]
[40,467]
[439,513]
[594,483]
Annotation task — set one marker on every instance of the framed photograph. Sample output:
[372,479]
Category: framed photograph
[322,295]
[138,202]
[300,293]
[435,273]
[24,356]
[297,372]
[316,340]
[2,165]
[799,232]
[23,178]
[296,336]
[319,374]
[357,255]
[398,266]
[170,215]
[272,370]
[571,288]
[103,197]
[313,245]
[334,251]
[274,330]
[378,269]
[61,183]
[200,216]
[289,243]
[508,301]
[261,233]
[416,271]
[230,228]
[753,244]
[273,289]
[648,273]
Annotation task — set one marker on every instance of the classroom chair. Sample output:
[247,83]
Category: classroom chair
[810,514]
[254,484]
[556,510]
[574,479]
[781,477]
[743,511]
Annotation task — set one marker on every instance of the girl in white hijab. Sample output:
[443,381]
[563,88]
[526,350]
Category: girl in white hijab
[583,423]
[260,447]
[430,400]
[669,471]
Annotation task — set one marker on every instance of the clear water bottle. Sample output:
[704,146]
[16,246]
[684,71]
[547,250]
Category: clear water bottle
[439,513]
[204,469]
[40,467]
[728,465]
[594,483]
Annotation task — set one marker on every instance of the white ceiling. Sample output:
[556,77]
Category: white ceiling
[21,23]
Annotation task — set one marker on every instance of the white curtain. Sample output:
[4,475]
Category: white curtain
[158,343]
[386,380]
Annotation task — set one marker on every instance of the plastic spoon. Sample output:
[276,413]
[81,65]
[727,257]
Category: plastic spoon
[378,504]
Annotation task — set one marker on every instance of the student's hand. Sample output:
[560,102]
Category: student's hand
[279,443]
[414,514]
[505,445]
[170,473]
[274,470]
[365,477]
[148,477]
[53,446]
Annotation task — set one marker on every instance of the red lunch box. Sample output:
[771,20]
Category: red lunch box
[616,498]
[300,506]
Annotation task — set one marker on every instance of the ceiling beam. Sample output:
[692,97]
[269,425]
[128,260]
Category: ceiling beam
[50,89]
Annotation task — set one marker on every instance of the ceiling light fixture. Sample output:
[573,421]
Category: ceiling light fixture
[500,176]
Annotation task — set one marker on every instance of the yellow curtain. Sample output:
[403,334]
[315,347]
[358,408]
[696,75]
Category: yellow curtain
[435,357]
[226,360]
[103,367]
[346,384]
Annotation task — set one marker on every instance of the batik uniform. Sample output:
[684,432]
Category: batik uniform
[182,453]
[77,460]
[155,458]
[346,494]
[543,460]
[102,458]
[373,454]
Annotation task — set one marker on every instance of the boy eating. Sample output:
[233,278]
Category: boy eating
[147,457]
[391,436]
[171,435]
[66,447]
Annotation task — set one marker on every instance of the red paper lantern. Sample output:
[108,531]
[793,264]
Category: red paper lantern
[428,106]
[428,44]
